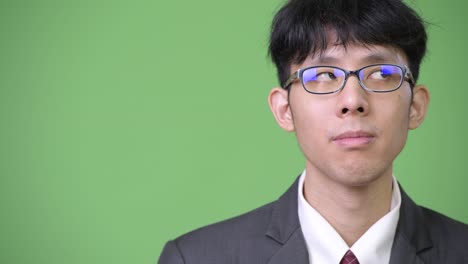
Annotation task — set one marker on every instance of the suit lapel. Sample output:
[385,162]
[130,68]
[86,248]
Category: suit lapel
[293,252]
[285,229]
[403,252]
[412,236]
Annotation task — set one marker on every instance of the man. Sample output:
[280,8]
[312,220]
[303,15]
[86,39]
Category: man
[348,72]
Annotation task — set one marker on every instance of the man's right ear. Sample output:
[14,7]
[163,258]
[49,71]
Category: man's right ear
[279,105]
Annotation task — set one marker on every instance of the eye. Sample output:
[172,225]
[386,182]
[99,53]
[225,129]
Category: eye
[379,75]
[322,74]
[382,73]
[326,76]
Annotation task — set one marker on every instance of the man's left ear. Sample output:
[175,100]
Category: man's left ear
[419,105]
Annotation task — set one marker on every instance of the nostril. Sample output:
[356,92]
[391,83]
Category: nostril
[344,110]
[360,109]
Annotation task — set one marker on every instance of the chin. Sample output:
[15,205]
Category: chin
[360,175]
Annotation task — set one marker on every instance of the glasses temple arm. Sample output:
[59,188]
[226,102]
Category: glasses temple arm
[292,78]
[409,76]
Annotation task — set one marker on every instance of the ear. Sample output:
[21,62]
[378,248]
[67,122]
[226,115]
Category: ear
[419,106]
[279,105]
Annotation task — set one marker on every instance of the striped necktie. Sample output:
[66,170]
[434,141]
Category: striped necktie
[349,258]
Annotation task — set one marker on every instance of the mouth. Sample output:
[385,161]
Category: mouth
[354,139]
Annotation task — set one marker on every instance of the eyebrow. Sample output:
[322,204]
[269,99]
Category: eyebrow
[378,57]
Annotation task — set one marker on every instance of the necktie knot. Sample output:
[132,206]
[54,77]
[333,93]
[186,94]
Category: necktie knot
[349,258]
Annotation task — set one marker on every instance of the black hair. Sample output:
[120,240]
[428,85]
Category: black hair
[301,28]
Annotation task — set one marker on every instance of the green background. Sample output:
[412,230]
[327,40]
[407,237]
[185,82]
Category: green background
[127,123]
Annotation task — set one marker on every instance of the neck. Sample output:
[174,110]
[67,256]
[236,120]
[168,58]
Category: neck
[350,209]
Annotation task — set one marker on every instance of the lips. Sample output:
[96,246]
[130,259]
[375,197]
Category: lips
[354,138]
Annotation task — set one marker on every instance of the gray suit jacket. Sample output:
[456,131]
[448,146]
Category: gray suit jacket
[272,234]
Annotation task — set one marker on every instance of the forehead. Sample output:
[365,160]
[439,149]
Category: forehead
[354,55]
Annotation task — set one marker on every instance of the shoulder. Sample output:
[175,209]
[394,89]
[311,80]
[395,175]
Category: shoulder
[251,224]
[250,238]
[239,237]
[425,226]
[442,223]
[447,234]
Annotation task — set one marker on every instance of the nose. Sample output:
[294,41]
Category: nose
[352,99]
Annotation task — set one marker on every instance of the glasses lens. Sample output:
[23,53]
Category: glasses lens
[381,77]
[323,79]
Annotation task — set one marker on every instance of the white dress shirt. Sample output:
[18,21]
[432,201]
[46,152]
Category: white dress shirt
[325,245]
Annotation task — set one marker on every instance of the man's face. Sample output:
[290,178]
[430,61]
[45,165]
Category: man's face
[352,136]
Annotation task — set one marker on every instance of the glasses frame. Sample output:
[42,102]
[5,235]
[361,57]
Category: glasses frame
[297,75]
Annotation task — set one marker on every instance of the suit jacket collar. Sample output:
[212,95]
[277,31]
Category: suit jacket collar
[285,229]
[284,218]
[411,238]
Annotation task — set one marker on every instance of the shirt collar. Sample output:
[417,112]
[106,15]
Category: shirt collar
[325,245]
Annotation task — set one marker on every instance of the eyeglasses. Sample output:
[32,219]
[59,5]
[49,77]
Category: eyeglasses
[379,78]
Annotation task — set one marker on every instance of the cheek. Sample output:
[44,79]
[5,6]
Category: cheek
[311,119]
[395,120]
[402,110]
[309,114]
